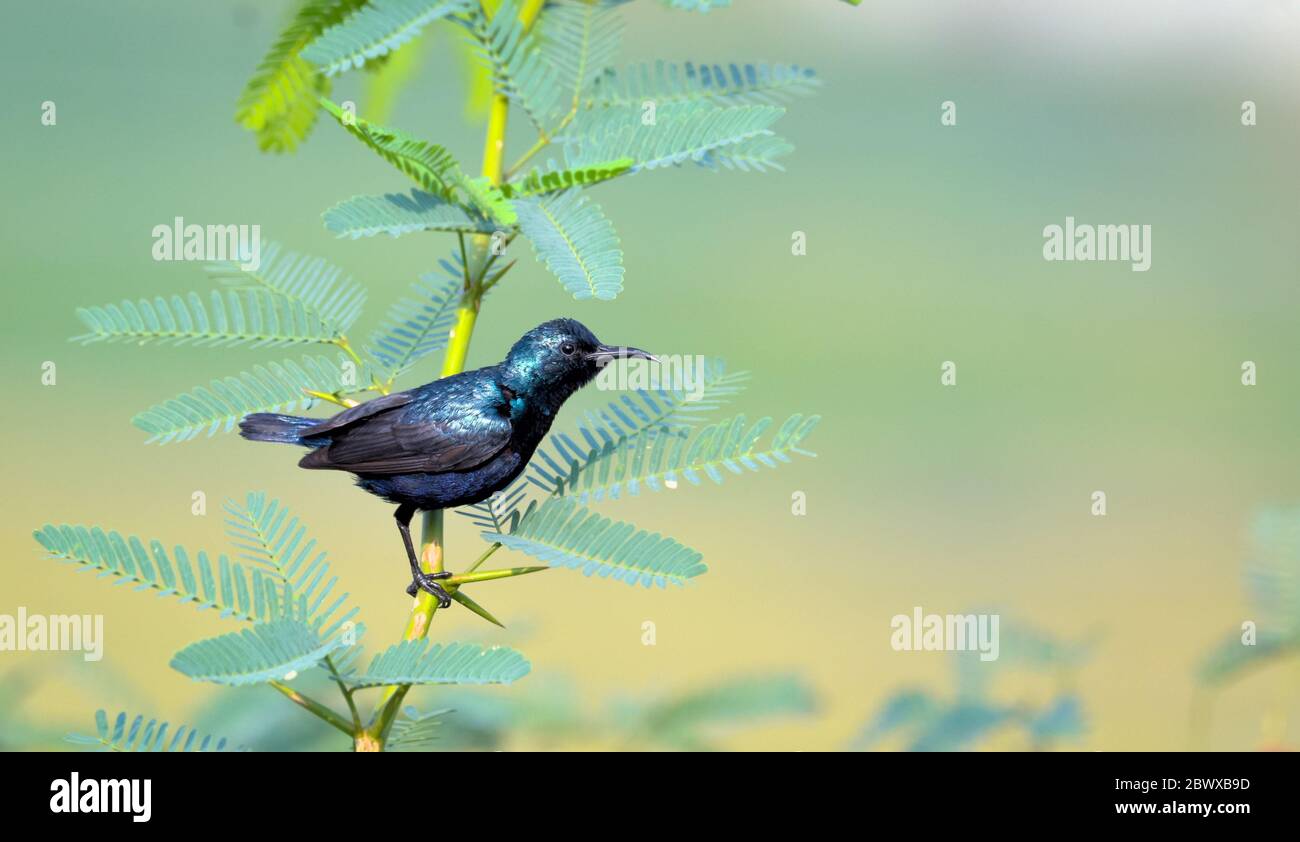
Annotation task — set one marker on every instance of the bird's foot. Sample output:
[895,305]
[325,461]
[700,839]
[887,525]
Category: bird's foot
[429,582]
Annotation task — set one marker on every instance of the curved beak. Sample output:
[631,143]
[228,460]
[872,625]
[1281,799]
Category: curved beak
[605,354]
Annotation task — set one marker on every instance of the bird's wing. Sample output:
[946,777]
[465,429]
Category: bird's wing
[358,412]
[456,435]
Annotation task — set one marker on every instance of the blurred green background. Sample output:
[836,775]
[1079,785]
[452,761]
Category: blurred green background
[924,245]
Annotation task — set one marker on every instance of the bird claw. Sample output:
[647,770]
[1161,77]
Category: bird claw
[429,582]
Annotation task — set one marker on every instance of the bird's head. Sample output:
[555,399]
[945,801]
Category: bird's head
[558,357]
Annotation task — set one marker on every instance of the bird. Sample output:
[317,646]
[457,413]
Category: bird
[455,441]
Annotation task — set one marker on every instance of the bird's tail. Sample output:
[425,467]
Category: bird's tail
[269,426]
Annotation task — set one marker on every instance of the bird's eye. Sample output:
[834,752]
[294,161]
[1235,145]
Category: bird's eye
[567,349]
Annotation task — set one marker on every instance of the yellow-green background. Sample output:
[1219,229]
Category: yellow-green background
[923,246]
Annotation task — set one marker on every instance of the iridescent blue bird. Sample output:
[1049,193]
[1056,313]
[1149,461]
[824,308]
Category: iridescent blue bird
[455,441]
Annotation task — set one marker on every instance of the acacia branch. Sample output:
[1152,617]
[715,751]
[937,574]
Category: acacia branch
[310,704]
[431,543]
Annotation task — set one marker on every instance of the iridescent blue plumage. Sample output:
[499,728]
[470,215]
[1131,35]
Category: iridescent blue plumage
[455,441]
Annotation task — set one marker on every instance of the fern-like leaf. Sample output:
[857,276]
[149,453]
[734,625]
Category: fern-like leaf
[428,164]
[226,587]
[253,317]
[661,410]
[419,662]
[657,461]
[279,102]
[321,290]
[218,407]
[266,652]
[546,70]
[758,154]
[287,580]
[735,84]
[266,533]
[415,731]
[498,513]
[712,388]
[576,241]
[553,180]
[580,41]
[376,30]
[396,214]
[561,532]
[519,69]
[488,199]
[682,131]
[416,327]
[140,735]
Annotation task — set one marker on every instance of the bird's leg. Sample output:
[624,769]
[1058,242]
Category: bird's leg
[419,579]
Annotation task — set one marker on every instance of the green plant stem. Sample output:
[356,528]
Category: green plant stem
[374,736]
[315,707]
[346,346]
[347,403]
[541,143]
[478,562]
[417,624]
[347,694]
[464,261]
[488,575]
[376,385]
[543,140]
